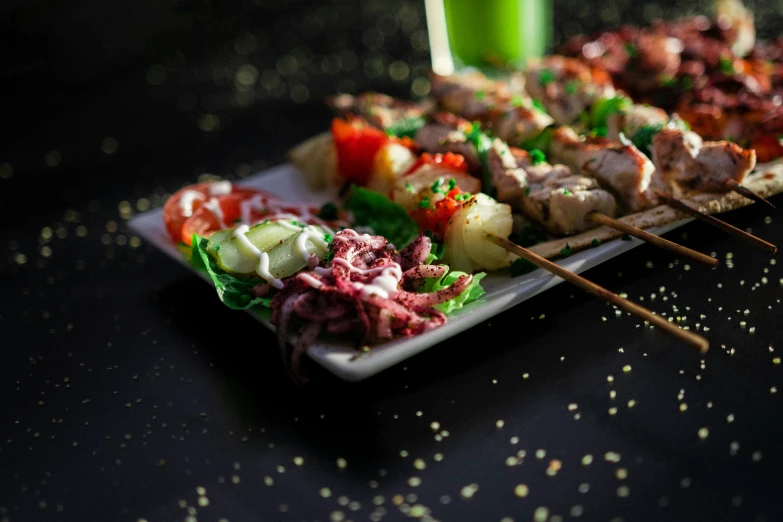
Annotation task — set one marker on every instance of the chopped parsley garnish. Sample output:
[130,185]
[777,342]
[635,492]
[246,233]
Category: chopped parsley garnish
[217,247]
[630,49]
[516,101]
[566,251]
[599,132]
[521,267]
[537,157]
[626,237]
[545,77]
[482,142]
[480,94]
[329,256]
[328,238]
[727,66]
[436,186]
[406,127]
[686,83]
[571,87]
[605,107]
[409,188]
[452,184]
[527,191]
[565,192]
[425,202]
[644,136]
[538,105]
[595,242]
[531,234]
[667,81]
[328,211]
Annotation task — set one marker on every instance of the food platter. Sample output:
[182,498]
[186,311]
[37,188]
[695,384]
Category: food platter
[503,291]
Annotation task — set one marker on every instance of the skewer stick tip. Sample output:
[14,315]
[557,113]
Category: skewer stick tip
[745,191]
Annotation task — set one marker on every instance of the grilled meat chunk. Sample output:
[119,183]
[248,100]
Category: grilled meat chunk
[566,86]
[684,160]
[379,110]
[619,167]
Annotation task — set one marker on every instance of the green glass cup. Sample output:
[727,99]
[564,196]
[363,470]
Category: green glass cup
[490,35]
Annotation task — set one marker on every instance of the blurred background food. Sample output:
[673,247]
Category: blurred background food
[88,81]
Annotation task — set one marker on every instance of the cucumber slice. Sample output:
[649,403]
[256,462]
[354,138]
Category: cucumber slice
[288,258]
[217,238]
[235,257]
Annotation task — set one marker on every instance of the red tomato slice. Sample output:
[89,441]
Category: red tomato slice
[186,202]
[226,211]
[356,144]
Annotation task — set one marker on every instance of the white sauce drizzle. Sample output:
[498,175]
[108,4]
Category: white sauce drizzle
[384,285]
[220,188]
[213,206]
[263,258]
[187,200]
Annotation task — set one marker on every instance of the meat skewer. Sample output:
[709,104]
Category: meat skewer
[692,339]
[562,201]
[680,158]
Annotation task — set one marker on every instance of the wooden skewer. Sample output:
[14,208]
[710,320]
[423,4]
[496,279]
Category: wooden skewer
[692,339]
[658,241]
[745,191]
[712,220]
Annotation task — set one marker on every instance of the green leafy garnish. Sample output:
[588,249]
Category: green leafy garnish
[516,101]
[599,132]
[626,237]
[537,157]
[538,105]
[328,238]
[545,77]
[424,202]
[541,142]
[480,95]
[482,143]
[436,186]
[727,66]
[630,49]
[642,140]
[437,251]
[531,234]
[521,267]
[470,294]
[385,217]
[605,107]
[406,127]
[566,251]
[571,87]
[452,184]
[232,291]
[595,242]
[409,188]
[328,212]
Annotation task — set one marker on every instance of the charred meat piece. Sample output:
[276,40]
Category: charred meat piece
[566,86]
[684,160]
[508,178]
[637,118]
[515,125]
[621,168]
[560,200]
[379,110]
[439,138]
[471,94]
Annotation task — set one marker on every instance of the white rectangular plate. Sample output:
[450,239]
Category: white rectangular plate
[503,292]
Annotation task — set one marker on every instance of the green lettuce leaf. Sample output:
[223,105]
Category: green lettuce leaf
[470,294]
[232,291]
[385,217]
[605,107]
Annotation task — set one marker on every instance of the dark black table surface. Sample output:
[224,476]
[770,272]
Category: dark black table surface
[130,393]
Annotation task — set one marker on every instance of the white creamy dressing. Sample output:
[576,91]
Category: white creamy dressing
[220,188]
[307,234]
[188,198]
[383,285]
[263,258]
[214,206]
[275,209]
